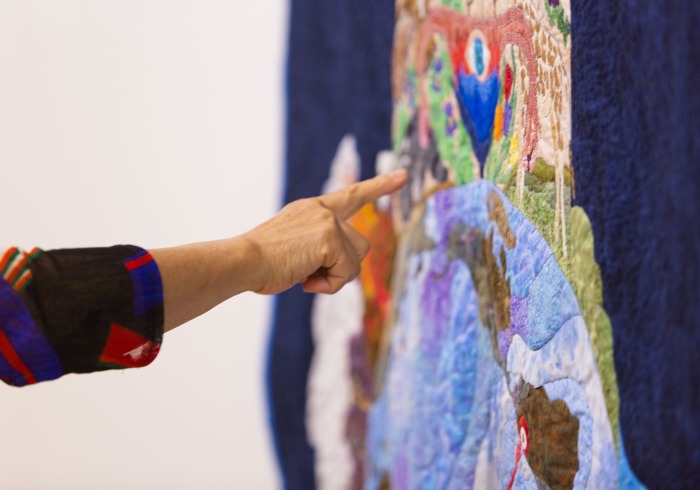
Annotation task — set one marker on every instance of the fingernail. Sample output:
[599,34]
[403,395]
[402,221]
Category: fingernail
[398,174]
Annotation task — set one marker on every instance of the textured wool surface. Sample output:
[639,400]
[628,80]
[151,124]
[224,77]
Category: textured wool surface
[338,83]
[635,152]
[636,148]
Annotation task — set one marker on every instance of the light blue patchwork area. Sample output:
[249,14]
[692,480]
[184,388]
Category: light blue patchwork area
[446,415]
[628,480]
[552,303]
[525,261]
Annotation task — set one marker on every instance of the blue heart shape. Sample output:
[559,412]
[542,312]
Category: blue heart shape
[477,105]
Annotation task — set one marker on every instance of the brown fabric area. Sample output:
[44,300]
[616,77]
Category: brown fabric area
[497,214]
[488,275]
[415,238]
[553,433]
[499,286]
[385,484]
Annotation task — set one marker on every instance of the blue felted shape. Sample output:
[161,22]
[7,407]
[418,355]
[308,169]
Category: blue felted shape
[477,103]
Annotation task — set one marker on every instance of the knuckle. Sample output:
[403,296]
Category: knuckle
[339,285]
[326,215]
[356,269]
[365,247]
[353,268]
[328,232]
[354,189]
[325,249]
[296,205]
[351,195]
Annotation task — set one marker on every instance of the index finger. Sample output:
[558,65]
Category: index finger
[349,200]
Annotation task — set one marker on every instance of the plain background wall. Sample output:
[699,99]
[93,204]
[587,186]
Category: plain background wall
[154,123]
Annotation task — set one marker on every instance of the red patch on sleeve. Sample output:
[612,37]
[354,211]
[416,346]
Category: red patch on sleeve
[128,349]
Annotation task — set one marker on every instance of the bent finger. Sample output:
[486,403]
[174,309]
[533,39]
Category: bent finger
[329,282]
[333,276]
[358,242]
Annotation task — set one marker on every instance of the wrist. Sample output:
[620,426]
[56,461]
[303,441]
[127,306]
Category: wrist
[246,264]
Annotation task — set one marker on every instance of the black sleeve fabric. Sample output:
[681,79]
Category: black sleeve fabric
[79,311]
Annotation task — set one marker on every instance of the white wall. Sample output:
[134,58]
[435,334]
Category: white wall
[152,122]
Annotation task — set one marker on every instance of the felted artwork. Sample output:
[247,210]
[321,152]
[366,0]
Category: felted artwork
[338,84]
[489,363]
[523,318]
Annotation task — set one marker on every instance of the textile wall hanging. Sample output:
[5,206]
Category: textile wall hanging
[476,349]
[338,84]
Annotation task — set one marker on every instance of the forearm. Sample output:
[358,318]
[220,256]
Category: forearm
[199,276]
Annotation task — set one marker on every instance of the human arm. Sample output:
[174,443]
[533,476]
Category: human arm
[84,310]
[308,242]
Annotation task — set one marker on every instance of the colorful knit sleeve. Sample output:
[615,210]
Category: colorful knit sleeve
[77,311]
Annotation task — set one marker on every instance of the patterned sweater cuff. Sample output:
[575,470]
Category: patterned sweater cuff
[78,310]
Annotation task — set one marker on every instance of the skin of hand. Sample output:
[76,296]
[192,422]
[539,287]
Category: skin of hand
[309,241]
